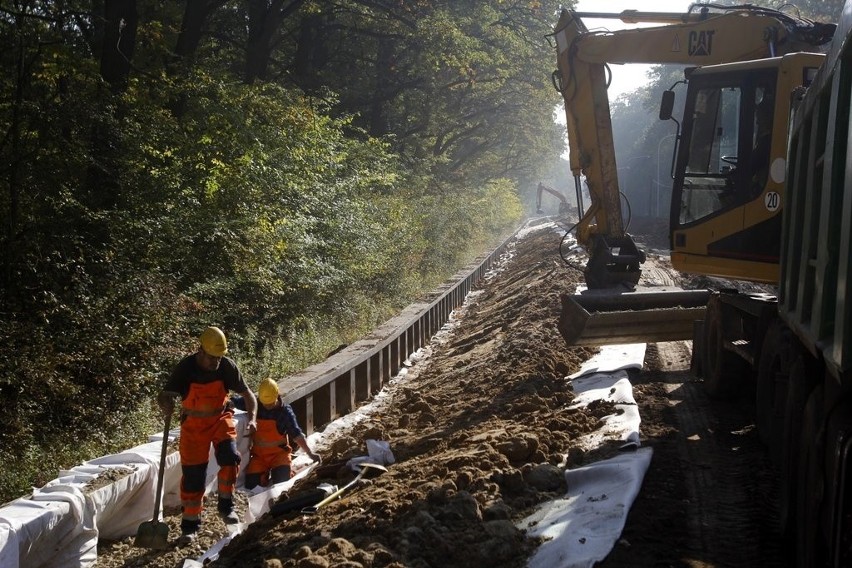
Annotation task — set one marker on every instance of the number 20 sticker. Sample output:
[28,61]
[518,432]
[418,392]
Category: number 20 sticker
[772,201]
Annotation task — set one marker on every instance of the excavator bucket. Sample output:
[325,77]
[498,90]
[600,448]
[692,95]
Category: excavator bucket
[607,317]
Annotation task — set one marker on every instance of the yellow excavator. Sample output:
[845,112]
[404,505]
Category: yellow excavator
[760,193]
[563,201]
[725,215]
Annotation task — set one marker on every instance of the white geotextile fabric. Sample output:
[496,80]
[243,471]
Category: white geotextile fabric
[582,527]
[59,524]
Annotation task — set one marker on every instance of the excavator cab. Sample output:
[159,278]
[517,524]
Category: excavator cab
[730,172]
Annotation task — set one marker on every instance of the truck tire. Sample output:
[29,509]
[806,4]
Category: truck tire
[810,547]
[771,393]
[838,439]
[799,389]
[723,370]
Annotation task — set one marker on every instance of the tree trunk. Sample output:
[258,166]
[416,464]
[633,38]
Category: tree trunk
[194,17]
[379,125]
[119,42]
[311,53]
[265,17]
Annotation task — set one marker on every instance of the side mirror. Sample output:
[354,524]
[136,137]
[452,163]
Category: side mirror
[667,105]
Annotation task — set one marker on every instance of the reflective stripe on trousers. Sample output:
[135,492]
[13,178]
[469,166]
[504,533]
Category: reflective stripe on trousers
[196,437]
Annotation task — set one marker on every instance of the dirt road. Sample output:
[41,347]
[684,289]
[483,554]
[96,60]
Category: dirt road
[480,431]
[708,499]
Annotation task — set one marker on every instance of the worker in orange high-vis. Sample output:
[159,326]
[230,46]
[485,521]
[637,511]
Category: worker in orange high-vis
[271,449]
[203,381]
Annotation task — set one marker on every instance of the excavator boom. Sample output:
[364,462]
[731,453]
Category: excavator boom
[706,35]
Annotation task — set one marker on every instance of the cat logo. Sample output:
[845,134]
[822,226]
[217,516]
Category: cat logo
[700,42]
[676,44]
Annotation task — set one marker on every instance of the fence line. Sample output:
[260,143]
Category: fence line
[335,387]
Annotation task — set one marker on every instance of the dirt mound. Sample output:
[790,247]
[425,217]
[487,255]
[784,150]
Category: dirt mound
[479,430]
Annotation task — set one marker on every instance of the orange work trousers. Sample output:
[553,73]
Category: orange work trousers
[196,436]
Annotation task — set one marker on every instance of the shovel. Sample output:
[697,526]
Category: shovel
[155,534]
[378,469]
[298,502]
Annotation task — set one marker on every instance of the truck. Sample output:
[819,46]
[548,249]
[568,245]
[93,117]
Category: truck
[759,195]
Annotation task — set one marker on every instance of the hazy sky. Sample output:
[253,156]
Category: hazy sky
[625,78]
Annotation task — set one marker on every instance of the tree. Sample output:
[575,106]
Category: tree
[275,167]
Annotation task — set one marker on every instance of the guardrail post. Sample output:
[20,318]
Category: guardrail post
[374,373]
[361,386]
[304,410]
[344,393]
[394,357]
[325,405]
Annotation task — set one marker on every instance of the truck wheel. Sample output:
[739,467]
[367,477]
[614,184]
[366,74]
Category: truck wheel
[809,544]
[800,386]
[772,380]
[723,369]
[838,465]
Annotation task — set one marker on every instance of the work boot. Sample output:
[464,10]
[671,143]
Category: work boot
[226,511]
[188,532]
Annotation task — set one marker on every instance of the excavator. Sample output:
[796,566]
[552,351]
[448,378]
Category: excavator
[563,202]
[760,194]
[725,228]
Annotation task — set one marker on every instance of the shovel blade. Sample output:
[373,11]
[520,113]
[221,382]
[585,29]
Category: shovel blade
[299,502]
[152,534]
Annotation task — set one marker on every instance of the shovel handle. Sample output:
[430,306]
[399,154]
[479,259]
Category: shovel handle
[162,468]
[313,509]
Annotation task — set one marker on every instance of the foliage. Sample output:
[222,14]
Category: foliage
[274,169]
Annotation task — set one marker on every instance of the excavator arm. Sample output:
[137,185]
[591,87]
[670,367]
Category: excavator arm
[709,35]
[610,311]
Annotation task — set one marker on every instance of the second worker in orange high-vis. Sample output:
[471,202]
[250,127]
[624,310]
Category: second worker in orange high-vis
[277,429]
[203,381]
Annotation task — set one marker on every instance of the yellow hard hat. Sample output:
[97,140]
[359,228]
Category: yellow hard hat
[267,392]
[213,342]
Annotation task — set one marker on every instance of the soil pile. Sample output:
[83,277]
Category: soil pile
[479,431]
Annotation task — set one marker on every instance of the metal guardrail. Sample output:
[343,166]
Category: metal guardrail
[335,387]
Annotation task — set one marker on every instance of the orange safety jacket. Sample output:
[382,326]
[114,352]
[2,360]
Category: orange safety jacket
[270,448]
[205,420]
